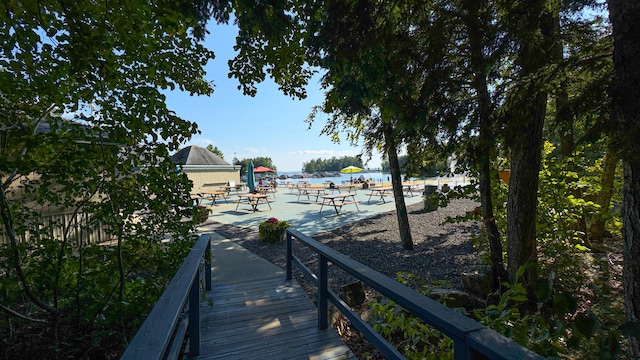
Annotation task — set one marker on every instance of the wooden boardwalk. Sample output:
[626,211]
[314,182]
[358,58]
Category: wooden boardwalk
[265,319]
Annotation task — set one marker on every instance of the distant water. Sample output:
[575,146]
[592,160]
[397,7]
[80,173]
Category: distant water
[376,177]
[343,178]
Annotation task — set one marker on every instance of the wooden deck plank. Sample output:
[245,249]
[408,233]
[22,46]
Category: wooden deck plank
[249,300]
[294,319]
[266,319]
[269,330]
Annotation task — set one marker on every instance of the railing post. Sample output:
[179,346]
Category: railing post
[194,319]
[461,351]
[207,266]
[289,256]
[322,292]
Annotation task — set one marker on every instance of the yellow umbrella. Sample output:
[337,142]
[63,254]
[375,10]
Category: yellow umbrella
[351,170]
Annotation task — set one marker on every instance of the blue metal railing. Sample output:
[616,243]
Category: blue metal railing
[163,332]
[471,339]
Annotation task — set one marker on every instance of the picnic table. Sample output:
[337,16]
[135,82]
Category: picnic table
[338,201]
[380,191]
[302,185]
[408,188]
[253,200]
[309,191]
[227,188]
[388,190]
[209,195]
[266,190]
[349,187]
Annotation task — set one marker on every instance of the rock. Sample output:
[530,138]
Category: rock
[333,315]
[452,297]
[478,282]
[353,294]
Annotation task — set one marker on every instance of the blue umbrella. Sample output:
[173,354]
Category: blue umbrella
[251,179]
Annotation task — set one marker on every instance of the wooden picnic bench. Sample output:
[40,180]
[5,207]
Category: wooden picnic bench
[208,195]
[253,200]
[408,188]
[308,192]
[381,192]
[338,201]
[266,190]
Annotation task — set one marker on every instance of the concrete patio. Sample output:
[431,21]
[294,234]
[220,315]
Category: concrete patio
[303,213]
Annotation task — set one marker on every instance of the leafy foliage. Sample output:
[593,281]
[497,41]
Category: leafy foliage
[557,328]
[85,138]
[258,161]
[414,338]
[429,169]
[215,150]
[272,230]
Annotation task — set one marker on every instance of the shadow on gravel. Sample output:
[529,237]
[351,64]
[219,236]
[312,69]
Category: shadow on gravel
[441,250]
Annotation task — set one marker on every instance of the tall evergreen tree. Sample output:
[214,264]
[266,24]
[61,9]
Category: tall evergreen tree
[531,24]
[625,17]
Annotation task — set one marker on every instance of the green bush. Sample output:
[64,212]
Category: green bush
[200,214]
[272,230]
[410,335]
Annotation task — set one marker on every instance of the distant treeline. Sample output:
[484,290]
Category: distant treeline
[333,164]
[257,161]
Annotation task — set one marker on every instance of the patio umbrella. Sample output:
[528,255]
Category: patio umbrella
[351,170]
[263,169]
[251,179]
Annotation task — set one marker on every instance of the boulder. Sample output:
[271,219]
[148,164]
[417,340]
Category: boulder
[478,282]
[452,298]
[353,294]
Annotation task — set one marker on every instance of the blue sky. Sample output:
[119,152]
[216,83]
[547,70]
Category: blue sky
[269,124]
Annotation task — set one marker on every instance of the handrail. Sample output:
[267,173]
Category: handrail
[163,331]
[470,338]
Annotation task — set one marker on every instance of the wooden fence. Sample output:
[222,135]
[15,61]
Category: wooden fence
[76,227]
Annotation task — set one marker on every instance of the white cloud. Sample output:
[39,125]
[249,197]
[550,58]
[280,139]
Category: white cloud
[203,142]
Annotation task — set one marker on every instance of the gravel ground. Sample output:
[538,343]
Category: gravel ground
[441,250]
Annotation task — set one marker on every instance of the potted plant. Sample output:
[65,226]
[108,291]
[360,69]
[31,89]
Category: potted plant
[272,230]
[200,214]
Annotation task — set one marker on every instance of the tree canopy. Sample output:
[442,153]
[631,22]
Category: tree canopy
[85,138]
[257,161]
[215,150]
[516,85]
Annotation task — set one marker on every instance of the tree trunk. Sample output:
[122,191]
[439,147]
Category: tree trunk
[396,181]
[523,192]
[526,122]
[596,229]
[564,120]
[625,18]
[631,234]
[486,140]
